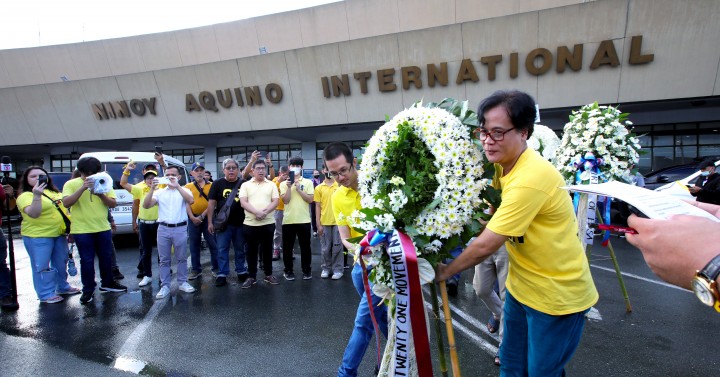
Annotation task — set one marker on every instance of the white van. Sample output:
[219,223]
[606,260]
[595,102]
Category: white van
[113,163]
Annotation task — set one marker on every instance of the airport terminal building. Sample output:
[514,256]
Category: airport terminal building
[289,83]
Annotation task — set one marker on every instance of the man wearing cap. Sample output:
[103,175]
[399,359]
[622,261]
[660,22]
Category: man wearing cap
[707,186]
[197,214]
[144,220]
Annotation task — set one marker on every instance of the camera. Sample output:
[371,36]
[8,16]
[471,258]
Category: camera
[102,183]
[42,178]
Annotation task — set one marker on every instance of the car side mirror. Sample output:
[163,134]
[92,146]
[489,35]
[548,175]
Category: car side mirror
[663,179]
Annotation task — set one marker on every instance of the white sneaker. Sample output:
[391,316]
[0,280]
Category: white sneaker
[325,274]
[185,287]
[164,291]
[145,281]
[337,276]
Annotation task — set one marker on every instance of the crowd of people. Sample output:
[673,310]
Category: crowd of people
[537,305]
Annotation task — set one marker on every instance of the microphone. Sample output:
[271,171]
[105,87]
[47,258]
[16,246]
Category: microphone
[5,164]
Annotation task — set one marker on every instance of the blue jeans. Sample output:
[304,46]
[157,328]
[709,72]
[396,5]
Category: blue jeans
[363,330]
[4,271]
[194,232]
[535,343]
[235,235]
[88,245]
[48,259]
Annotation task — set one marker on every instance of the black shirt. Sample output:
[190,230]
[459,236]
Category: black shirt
[709,189]
[219,191]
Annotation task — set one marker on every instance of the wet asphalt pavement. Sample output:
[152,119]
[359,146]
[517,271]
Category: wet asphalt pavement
[300,328]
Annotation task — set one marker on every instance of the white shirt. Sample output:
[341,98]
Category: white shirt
[171,205]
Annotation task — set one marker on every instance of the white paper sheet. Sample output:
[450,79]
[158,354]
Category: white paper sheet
[653,204]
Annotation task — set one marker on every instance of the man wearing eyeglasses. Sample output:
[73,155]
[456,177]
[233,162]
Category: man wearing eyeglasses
[549,287]
[259,197]
[340,164]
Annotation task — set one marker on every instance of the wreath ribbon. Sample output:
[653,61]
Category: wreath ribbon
[409,304]
[589,165]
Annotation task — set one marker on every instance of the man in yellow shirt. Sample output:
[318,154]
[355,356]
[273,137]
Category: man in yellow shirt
[197,214]
[296,219]
[91,229]
[279,211]
[327,228]
[259,197]
[341,165]
[549,286]
[145,222]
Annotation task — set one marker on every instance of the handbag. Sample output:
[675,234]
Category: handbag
[223,214]
[65,218]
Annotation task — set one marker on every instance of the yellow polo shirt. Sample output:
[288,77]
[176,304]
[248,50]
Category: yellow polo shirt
[260,195]
[50,222]
[298,210]
[89,213]
[345,201]
[139,191]
[323,195]
[200,204]
[548,271]
[280,206]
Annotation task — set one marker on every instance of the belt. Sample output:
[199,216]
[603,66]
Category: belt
[173,225]
[147,221]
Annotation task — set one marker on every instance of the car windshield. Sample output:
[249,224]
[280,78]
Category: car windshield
[115,169]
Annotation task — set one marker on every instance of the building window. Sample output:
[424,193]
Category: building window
[63,162]
[279,153]
[187,156]
[357,146]
[674,144]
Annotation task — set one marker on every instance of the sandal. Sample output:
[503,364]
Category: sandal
[493,324]
[497,360]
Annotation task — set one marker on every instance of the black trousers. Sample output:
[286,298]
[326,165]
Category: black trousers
[259,240]
[302,232]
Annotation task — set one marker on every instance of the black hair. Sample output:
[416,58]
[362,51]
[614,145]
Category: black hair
[26,187]
[336,149]
[151,166]
[88,166]
[706,163]
[258,162]
[520,108]
[297,161]
[172,167]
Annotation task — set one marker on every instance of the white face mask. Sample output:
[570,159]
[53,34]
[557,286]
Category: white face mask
[297,171]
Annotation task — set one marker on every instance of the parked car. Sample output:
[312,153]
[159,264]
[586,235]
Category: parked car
[59,178]
[662,177]
[678,188]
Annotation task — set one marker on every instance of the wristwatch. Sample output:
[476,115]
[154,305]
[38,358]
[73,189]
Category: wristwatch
[704,284]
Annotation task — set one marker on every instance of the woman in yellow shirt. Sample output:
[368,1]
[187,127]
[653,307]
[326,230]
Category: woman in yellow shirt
[43,231]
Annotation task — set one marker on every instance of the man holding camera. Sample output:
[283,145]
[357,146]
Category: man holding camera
[297,193]
[172,229]
[90,228]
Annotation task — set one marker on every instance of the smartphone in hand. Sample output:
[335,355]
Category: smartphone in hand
[158,149]
[42,178]
[291,176]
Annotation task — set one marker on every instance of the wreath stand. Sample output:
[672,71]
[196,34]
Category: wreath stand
[584,230]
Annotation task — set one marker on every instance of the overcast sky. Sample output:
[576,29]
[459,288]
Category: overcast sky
[32,23]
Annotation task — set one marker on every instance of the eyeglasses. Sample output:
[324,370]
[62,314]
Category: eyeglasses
[260,168]
[343,172]
[230,167]
[497,135]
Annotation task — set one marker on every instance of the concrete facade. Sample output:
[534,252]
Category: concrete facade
[351,38]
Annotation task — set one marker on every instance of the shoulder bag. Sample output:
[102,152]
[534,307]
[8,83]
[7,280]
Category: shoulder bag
[223,214]
[65,218]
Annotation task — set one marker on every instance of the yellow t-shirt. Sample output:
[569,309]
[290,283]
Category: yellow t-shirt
[50,222]
[298,210]
[200,204]
[548,271]
[345,201]
[260,195]
[323,195]
[139,191]
[89,213]
[280,206]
